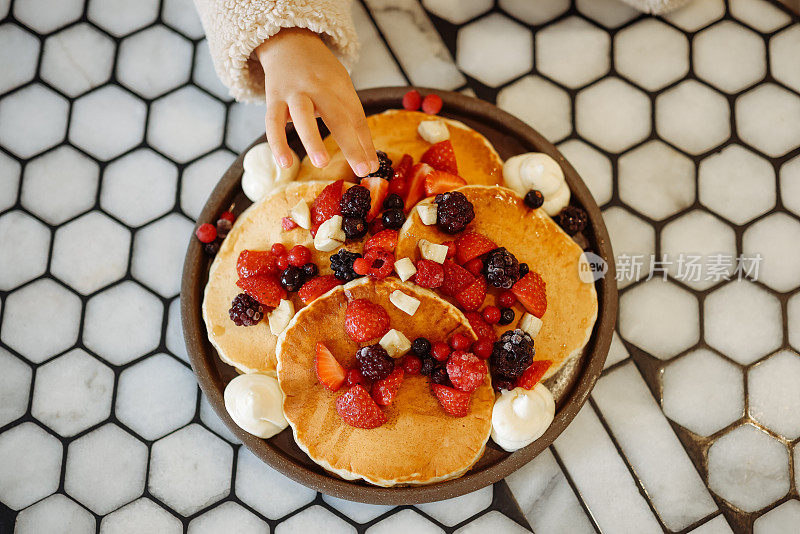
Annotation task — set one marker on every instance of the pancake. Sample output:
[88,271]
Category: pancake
[534,238]
[395,132]
[420,443]
[252,348]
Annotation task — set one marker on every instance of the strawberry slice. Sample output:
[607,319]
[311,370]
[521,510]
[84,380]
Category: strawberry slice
[454,401]
[326,205]
[416,184]
[384,391]
[385,239]
[441,157]
[256,262]
[357,409]
[378,189]
[429,274]
[365,320]
[329,371]
[533,374]
[402,168]
[441,182]
[482,329]
[265,288]
[471,245]
[317,287]
[475,266]
[456,278]
[531,291]
[471,298]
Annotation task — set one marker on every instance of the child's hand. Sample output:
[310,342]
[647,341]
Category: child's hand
[303,79]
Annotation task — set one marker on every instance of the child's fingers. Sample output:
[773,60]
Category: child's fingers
[301,110]
[337,119]
[275,127]
[362,131]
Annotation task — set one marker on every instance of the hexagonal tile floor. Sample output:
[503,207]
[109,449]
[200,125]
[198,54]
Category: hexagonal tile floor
[686,128]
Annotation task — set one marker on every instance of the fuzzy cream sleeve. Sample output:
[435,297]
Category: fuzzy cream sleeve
[657,7]
[234,29]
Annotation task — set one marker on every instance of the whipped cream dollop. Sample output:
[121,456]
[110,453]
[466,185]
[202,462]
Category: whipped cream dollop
[255,403]
[538,171]
[520,416]
[262,173]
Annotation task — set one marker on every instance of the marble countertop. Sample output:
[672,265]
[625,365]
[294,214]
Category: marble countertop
[686,128]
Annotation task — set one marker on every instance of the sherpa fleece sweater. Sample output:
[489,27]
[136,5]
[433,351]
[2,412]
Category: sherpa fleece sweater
[236,27]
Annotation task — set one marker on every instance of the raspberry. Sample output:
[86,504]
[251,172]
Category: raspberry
[432,104]
[453,211]
[354,377]
[278,249]
[393,218]
[374,362]
[317,287]
[440,351]
[299,256]
[572,219]
[365,320]
[206,233]
[491,314]
[534,199]
[507,299]
[361,266]
[460,341]
[412,100]
[384,391]
[245,310]
[385,239]
[385,170]
[355,202]
[380,263]
[429,274]
[501,268]
[506,316]
[483,348]
[342,265]
[287,223]
[466,371]
[511,355]
[454,401]
[292,278]
[412,364]
[357,409]
[421,346]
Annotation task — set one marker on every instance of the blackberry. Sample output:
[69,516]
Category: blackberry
[355,202]
[511,355]
[534,199]
[385,170]
[393,201]
[342,265]
[292,278]
[245,310]
[572,219]
[310,270]
[354,227]
[499,384]
[523,269]
[506,316]
[421,346]
[428,365]
[500,268]
[439,376]
[374,362]
[393,218]
[453,212]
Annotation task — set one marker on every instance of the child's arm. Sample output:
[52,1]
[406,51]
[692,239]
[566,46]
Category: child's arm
[303,76]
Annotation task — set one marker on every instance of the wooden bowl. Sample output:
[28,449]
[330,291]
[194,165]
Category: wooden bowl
[571,386]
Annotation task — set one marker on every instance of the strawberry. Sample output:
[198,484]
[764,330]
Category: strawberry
[429,274]
[316,287]
[466,371]
[384,391]
[287,223]
[531,291]
[402,168]
[265,288]
[378,189]
[533,374]
[412,100]
[441,157]
[356,408]
[454,401]
[482,329]
[365,320]
[416,184]
[475,266]
[398,186]
[329,371]
[354,376]
[385,239]
[256,262]
[441,182]
[471,245]
[326,205]
[456,278]
[451,249]
[471,298]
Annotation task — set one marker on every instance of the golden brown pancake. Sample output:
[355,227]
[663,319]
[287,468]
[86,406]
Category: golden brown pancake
[395,132]
[420,443]
[252,348]
[534,238]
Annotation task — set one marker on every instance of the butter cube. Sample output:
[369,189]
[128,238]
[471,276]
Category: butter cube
[395,343]
[301,214]
[330,235]
[404,268]
[530,324]
[432,251]
[404,302]
[427,213]
[279,317]
[433,131]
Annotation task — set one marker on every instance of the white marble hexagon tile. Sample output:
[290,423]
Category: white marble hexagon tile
[114,128]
